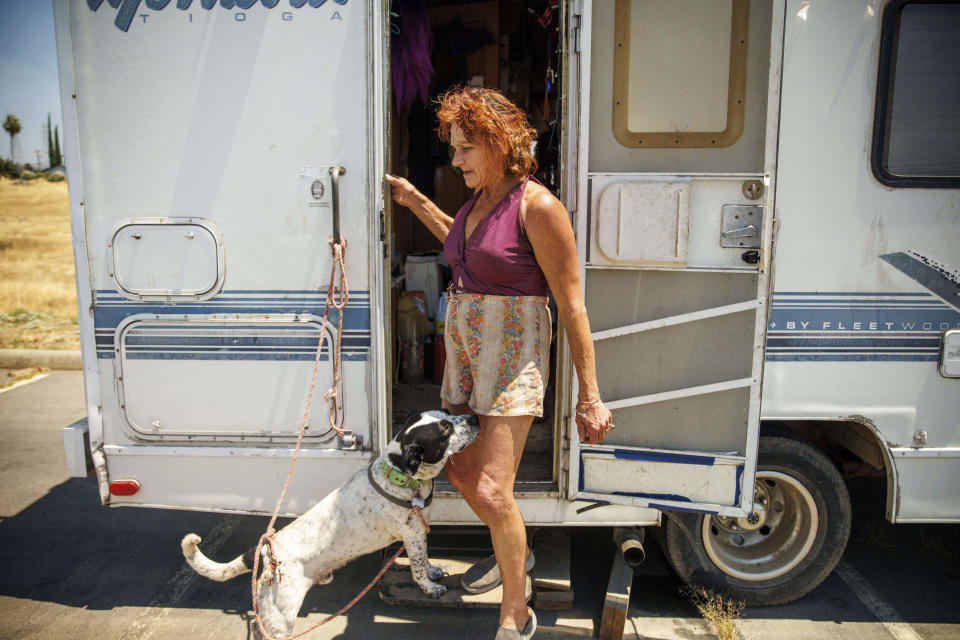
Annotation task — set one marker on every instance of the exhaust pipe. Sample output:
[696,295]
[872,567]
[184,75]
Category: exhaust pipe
[630,543]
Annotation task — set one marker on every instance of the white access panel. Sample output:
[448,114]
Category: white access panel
[643,224]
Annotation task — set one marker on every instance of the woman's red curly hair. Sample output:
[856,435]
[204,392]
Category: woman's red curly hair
[488,118]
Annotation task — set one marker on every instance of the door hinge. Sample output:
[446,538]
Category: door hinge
[576,33]
[383,236]
[576,19]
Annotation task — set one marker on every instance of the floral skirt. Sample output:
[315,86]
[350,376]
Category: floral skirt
[498,353]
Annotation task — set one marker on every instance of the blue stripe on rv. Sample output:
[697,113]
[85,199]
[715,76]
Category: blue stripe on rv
[853,357]
[857,327]
[111,309]
[109,317]
[346,356]
[659,456]
[670,507]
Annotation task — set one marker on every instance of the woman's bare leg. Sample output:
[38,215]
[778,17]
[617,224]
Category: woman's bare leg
[485,473]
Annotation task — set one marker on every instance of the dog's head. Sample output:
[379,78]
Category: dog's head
[428,438]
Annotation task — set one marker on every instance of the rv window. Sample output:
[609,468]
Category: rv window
[917,126]
[679,76]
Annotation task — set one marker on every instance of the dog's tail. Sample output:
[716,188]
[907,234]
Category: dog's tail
[207,567]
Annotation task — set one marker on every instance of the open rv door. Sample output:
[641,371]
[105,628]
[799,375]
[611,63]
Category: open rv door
[674,143]
[205,189]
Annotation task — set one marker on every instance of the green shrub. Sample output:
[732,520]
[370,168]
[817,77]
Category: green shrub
[26,174]
[56,176]
[9,168]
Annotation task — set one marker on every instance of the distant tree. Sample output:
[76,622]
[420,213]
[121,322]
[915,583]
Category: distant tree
[56,147]
[51,158]
[12,126]
[10,168]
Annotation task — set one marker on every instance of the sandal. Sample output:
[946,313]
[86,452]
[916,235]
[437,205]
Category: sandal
[525,634]
[485,575]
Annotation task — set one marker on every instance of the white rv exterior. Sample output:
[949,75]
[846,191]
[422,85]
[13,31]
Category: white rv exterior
[763,259]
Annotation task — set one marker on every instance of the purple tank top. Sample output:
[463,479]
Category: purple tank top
[497,259]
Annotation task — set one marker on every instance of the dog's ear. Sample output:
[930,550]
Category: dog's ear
[412,457]
[412,418]
[408,422]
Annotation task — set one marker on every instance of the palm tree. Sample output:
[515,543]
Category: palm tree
[12,126]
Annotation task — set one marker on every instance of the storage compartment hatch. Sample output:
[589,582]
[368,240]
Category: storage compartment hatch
[167,258]
[230,379]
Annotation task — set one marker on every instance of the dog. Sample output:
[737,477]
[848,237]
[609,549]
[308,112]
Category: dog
[372,510]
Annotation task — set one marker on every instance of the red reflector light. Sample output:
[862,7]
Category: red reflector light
[124,487]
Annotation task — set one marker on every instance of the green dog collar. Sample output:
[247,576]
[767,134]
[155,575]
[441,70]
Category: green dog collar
[400,479]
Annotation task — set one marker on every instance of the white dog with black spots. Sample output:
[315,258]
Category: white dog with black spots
[353,520]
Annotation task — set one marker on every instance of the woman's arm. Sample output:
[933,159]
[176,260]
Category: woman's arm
[549,231]
[404,193]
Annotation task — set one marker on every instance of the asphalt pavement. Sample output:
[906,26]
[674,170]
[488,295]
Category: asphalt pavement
[71,568]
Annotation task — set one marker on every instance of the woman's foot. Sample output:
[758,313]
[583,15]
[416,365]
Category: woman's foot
[524,634]
[485,575]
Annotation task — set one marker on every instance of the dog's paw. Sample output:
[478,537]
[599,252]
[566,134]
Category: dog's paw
[435,573]
[433,589]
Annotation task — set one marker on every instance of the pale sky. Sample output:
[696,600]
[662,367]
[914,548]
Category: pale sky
[29,87]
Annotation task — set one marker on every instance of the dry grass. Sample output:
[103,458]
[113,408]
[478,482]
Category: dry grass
[14,377]
[38,304]
[720,613]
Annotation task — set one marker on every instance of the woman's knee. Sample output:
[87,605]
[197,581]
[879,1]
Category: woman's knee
[493,498]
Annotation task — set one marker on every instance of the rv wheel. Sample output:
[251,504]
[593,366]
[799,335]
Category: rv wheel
[795,538]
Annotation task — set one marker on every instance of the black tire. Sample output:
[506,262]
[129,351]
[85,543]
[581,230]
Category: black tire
[792,475]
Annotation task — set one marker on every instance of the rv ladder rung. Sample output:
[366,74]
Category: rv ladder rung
[681,393]
[670,321]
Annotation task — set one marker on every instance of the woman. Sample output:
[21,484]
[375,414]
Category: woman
[507,245]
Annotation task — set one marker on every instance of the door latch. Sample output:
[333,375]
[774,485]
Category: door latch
[743,232]
[741,226]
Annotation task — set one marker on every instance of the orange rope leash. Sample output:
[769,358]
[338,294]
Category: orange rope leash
[266,540]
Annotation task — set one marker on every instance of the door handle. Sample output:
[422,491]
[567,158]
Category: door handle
[335,172]
[742,232]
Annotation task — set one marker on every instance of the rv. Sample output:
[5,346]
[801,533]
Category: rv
[764,195]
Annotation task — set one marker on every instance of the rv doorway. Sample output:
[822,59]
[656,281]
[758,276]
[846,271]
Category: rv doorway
[508,45]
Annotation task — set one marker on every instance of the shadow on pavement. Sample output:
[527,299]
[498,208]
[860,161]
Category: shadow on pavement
[67,549]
